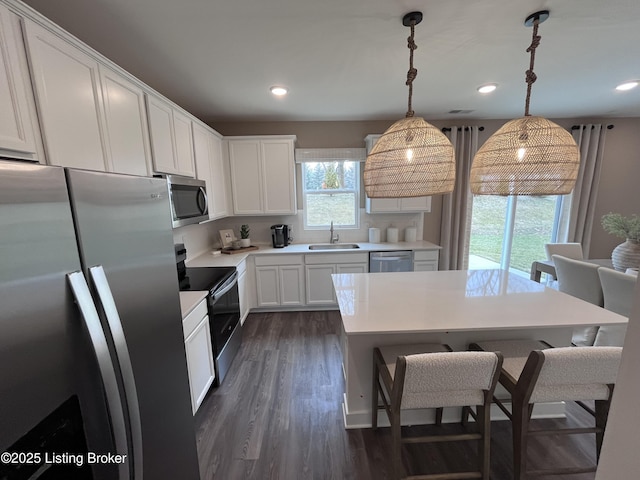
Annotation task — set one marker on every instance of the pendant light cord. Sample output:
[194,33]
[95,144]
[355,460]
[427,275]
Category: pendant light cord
[412,73]
[532,77]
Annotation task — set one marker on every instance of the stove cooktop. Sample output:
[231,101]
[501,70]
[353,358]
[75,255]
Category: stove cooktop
[205,278]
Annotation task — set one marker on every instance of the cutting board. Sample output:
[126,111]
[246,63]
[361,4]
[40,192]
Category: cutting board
[231,251]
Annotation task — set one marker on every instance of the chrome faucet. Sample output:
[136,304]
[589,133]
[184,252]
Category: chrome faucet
[334,238]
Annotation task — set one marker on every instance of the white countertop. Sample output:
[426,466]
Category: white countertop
[444,301]
[189,301]
[224,260]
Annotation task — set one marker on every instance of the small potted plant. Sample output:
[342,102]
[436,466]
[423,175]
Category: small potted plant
[627,254]
[245,241]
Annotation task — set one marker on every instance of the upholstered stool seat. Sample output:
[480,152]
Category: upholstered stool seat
[432,376]
[550,375]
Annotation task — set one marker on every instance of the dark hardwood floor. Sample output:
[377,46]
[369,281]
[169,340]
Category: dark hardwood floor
[278,415]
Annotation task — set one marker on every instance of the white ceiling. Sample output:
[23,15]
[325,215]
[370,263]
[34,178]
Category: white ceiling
[347,59]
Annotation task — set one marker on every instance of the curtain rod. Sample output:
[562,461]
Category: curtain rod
[578,127]
[466,129]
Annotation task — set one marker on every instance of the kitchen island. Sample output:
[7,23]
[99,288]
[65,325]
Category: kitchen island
[452,307]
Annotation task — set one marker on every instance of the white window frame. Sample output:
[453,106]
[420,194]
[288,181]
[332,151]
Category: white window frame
[355,191]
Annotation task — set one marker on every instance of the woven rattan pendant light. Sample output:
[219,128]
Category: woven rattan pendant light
[412,158]
[529,155]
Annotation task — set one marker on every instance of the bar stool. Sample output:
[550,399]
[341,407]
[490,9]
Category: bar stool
[580,279]
[617,289]
[533,372]
[430,376]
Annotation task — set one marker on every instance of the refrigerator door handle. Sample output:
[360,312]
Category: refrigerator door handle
[108,304]
[87,308]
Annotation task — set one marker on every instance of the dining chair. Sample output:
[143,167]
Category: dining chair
[569,250]
[580,279]
[430,376]
[617,290]
[532,372]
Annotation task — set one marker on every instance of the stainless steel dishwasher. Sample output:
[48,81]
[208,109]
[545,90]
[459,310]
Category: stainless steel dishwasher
[395,261]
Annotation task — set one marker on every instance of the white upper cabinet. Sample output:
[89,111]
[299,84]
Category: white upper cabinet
[184,144]
[219,180]
[127,131]
[279,174]
[171,138]
[383,205]
[17,135]
[68,97]
[386,205]
[207,147]
[262,175]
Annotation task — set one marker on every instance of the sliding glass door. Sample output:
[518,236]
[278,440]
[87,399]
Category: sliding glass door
[510,232]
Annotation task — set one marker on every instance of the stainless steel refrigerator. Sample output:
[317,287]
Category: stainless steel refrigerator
[92,357]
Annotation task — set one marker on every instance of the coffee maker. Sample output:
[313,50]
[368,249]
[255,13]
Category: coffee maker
[280,235]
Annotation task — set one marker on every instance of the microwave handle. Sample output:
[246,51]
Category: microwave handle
[205,203]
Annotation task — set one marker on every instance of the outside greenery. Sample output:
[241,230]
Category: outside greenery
[330,193]
[322,209]
[533,228]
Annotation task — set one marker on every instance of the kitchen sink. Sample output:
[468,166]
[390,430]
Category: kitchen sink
[333,246]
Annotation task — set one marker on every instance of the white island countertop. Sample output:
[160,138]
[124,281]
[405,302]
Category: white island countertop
[451,307]
[447,301]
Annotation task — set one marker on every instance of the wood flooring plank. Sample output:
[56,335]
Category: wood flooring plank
[278,416]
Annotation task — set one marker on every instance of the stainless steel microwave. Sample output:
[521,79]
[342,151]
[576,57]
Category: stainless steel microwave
[188,200]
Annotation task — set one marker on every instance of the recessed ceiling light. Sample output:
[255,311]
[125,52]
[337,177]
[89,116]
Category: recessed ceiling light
[627,86]
[279,91]
[488,88]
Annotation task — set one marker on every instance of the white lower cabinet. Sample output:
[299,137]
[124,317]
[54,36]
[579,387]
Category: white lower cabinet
[280,280]
[197,344]
[319,268]
[425,260]
[319,285]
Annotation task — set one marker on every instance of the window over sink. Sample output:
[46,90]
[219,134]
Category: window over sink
[330,187]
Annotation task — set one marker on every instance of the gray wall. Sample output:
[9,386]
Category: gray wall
[618,189]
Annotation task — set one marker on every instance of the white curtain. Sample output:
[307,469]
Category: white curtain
[581,207]
[456,206]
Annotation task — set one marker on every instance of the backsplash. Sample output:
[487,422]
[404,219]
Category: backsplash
[199,239]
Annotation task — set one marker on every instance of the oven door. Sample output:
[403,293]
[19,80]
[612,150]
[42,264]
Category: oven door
[224,313]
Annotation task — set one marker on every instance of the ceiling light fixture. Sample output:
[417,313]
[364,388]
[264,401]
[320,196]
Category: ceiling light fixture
[488,88]
[412,158]
[627,86]
[529,155]
[279,91]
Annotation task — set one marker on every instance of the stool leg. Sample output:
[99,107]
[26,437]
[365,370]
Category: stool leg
[602,412]
[396,447]
[439,415]
[374,395]
[520,423]
[484,425]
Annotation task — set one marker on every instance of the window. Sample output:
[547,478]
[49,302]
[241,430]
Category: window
[331,193]
[510,232]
